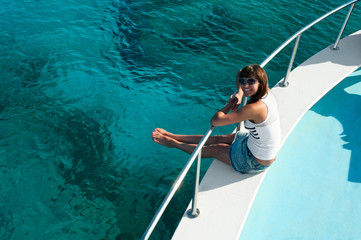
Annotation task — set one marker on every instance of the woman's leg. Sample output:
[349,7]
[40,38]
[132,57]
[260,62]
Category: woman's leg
[228,139]
[219,151]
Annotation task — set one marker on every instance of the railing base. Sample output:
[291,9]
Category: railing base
[190,213]
[284,84]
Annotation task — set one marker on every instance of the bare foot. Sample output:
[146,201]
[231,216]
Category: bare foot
[161,139]
[163,132]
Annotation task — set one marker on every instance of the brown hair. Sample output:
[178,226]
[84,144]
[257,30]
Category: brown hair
[260,74]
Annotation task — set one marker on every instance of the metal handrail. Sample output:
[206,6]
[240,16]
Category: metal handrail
[194,212]
[299,33]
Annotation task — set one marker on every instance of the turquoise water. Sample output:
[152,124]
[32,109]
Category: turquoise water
[84,83]
[313,190]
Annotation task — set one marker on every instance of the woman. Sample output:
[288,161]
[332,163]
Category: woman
[249,152]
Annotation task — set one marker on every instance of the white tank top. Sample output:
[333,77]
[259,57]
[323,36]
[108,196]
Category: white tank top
[265,138]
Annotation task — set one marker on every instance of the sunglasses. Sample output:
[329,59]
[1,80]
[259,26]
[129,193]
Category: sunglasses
[250,81]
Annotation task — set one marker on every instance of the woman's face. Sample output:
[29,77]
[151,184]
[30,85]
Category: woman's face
[249,85]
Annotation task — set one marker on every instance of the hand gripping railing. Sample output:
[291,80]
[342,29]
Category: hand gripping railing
[194,212]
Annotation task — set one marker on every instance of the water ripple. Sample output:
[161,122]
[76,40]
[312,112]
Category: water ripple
[83,84]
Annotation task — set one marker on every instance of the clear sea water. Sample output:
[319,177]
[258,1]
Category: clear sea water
[84,83]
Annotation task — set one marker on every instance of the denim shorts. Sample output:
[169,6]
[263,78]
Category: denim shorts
[242,159]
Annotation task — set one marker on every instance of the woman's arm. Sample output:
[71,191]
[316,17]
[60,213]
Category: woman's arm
[253,111]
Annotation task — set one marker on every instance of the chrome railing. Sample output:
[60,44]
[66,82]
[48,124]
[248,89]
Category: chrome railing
[194,211]
[298,36]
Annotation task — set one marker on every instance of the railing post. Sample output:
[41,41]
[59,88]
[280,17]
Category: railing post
[285,82]
[194,211]
[335,46]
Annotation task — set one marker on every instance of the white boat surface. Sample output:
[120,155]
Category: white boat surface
[225,197]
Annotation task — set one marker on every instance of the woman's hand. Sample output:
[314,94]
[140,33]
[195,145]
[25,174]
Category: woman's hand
[235,101]
[231,103]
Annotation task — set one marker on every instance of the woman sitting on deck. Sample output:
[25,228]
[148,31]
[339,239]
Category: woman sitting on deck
[250,152]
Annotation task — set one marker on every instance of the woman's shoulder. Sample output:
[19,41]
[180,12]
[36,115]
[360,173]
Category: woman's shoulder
[258,111]
[259,105]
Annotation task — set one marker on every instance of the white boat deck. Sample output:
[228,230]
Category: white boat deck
[225,196]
